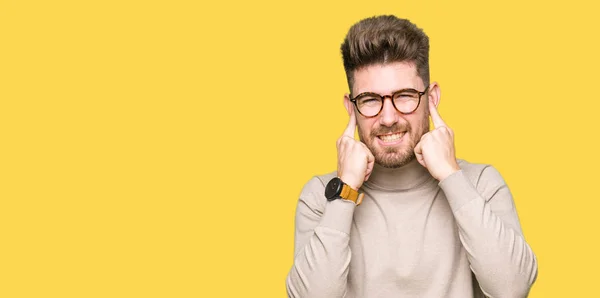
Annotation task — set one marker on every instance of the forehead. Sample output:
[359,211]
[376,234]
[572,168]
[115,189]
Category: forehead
[386,78]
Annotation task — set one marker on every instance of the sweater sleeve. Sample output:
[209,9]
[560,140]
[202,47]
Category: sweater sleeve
[321,245]
[489,229]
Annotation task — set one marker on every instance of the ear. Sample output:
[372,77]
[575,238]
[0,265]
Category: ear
[347,103]
[434,94]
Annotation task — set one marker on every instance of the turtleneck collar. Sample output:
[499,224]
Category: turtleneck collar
[407,177]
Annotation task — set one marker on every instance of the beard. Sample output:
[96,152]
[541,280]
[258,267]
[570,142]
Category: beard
[395,156]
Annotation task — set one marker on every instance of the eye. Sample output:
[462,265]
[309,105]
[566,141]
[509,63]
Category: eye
[368,100]
[406,95]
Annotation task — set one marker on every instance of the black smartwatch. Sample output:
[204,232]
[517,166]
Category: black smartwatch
[337,189]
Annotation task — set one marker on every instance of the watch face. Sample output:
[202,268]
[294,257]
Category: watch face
[333,189]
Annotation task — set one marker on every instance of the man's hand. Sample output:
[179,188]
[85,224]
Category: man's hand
[355,161]
[435,151]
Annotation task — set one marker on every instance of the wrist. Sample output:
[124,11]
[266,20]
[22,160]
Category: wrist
[351,181]
[450,170]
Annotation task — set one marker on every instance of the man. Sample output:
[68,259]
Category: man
[402,217]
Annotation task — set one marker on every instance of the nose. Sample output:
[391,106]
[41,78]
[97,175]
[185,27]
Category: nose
[389,114]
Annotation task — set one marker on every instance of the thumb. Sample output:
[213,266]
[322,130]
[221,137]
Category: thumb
[351,128]
[435,115]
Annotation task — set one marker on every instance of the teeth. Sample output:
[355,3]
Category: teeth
[391,138]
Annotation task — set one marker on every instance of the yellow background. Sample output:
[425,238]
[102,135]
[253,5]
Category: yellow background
[157,148]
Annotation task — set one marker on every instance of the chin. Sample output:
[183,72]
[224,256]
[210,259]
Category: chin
[394,160]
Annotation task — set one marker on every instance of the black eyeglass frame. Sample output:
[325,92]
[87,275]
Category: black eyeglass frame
[382,99]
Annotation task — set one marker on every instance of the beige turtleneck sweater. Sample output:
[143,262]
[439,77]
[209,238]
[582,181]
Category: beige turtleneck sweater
[412,237]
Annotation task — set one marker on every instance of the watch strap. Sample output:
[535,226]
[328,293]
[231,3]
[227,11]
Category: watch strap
[351,195]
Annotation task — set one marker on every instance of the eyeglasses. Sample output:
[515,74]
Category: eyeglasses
[405,101]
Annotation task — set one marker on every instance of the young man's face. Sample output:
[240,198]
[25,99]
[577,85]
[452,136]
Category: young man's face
[392,136]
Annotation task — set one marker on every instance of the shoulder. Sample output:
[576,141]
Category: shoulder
[478,172]
[485,177]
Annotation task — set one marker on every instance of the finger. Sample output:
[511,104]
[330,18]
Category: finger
[421,160]
[349,132]
[370,164]
[370,156]
[419,149]
[419,154]
[435,116]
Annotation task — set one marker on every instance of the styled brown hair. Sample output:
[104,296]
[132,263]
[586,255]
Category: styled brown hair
[385,39]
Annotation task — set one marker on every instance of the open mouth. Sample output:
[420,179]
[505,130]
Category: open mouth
[391,137]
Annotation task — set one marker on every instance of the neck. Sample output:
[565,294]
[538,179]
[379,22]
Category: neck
[405,177]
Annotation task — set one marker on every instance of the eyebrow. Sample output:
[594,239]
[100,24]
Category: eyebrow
[393,92]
